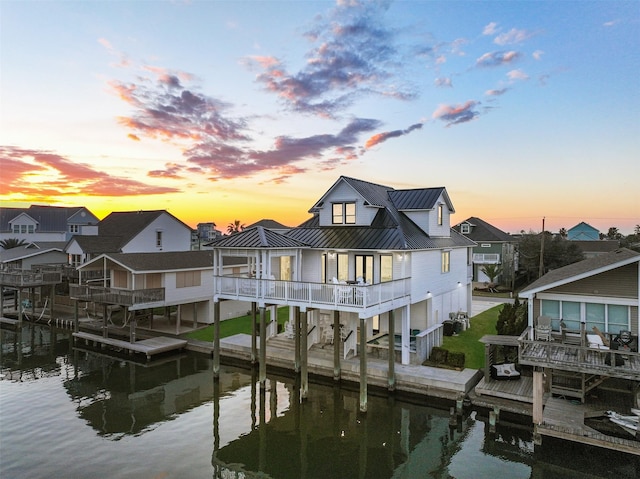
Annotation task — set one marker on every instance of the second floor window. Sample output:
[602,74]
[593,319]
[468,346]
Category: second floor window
[159,239]
[75,229]
[386,268]
[23,229]
[440,217]
[344,213]
[465,228]
[446,261]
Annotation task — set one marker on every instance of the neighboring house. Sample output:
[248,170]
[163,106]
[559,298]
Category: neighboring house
[181,282]
[600,292]
[204,234]
[583,232]
[494,246]
[372,258]
[132,232]
[270,225]
[595,248]
[46,223]
[32,255]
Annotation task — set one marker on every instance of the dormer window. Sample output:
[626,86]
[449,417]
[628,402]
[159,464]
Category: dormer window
[74,229]
[344,213]
[465,228]
[440,213]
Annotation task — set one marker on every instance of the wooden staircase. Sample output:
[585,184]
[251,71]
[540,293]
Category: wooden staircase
[573,384]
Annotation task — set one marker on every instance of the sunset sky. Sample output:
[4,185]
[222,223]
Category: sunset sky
[224,110]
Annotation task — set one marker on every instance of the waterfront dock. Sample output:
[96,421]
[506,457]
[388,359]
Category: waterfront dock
[148,347]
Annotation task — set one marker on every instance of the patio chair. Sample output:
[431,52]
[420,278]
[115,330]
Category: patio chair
[543,329]
[327,335]
[288,330]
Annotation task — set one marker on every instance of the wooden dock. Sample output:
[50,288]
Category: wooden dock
[515,390]
[565,420]
[148,347]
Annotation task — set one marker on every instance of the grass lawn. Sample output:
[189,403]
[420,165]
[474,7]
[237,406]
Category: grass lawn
[467,341]
[233,326]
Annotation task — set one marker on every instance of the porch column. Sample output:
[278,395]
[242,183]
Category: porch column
[336,346]
[76,316]
[254,333]
[195,315]
[304,380]
[296,338]
[216,340]
[132,327]
[406,321]
[51,301]
[105,327]
[20,311]
[538,391]
[363,364]
[392,351]
[262,376]
[178,316]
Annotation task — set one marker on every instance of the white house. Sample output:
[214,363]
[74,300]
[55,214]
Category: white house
[371,260]
[40,223]
[132,232]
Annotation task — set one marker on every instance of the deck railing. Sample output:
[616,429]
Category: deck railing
[337,296]
[577,358]
[486,258]
[124,297]
[18,278]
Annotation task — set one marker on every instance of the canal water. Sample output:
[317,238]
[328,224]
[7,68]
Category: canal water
[69,413]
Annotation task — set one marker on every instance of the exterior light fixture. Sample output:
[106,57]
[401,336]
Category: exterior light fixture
[459,284]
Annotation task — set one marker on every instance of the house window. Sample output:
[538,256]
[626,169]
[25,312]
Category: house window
[75,260]
[595,316]
[617,318]
[344,213]
[74,229]
[570,314]
[185,279]
[159,239]
[153,280]
[323,268]
[386,268]
[446,261]
[465,228]
[120,279]
[343,267]
[364,268]
[440,213]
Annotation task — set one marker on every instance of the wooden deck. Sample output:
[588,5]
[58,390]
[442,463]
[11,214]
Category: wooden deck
[553,354]
[516,390]
[149,347]
[565,420]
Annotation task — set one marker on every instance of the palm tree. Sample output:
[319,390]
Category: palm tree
[235,227]
[492,271]
[12,243]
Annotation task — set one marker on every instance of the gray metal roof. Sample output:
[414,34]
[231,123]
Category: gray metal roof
[417,199]
[269,224]
[595,264]
[165,261]
[256,237]
[483,231]
[49,218]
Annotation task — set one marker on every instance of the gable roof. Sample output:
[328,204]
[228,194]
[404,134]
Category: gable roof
[127,224]
[483,231]
[582,269]
[30,250]
[96,244]
[268,223]
[256,237]
[49,218]
[158,262]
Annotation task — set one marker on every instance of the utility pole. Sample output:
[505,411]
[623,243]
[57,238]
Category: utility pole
[541,270]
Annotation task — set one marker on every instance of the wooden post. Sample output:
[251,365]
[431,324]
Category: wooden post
[254,333]
[538,391]
[105,327]
[337,340]
[20,311]
[296,339]
[216,340]
[363,365]
[392,352]
[76,317]
[262,376]
[304,380]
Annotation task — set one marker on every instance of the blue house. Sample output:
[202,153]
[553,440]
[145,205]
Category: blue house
[583,232]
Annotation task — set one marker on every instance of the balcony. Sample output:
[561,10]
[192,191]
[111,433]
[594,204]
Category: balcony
[30,279]
[132,298]
[577,358]
[370,299]
[486,258]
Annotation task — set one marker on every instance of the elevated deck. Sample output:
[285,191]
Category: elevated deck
[148,347]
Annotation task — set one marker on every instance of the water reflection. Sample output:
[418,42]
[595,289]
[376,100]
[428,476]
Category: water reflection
[170,419]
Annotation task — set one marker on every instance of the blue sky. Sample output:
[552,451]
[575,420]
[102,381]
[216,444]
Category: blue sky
[223,110]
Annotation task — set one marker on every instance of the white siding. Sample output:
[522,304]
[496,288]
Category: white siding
[189,294]
[341,194]
[175,237]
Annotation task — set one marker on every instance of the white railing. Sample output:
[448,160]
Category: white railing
[486,258]
[338,296]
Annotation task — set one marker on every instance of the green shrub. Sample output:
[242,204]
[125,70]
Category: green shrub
[455,360]
[439,355]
